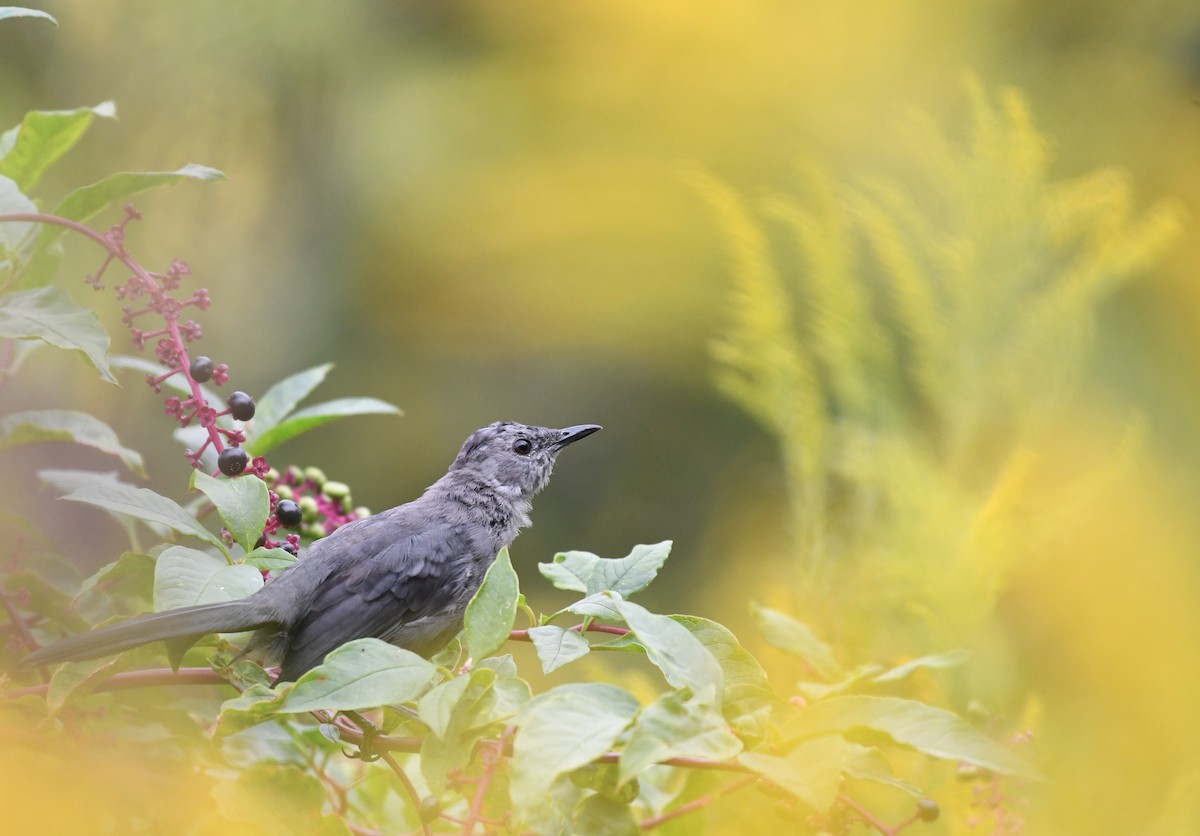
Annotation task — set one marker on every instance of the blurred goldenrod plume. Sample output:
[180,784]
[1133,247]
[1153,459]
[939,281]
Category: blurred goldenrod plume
[915,344]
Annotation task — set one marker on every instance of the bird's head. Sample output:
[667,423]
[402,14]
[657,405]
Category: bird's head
[515,458]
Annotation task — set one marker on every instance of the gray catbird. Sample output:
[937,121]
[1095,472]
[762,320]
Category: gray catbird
[404,575]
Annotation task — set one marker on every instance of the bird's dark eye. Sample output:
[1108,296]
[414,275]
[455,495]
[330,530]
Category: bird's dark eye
[522,447]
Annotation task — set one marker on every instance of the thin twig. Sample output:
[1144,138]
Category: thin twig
[692,806]
[491,756]
[140,679]
[523,635]
[869,818]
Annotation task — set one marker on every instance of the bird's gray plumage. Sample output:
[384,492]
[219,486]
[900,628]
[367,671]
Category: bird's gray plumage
[404,575]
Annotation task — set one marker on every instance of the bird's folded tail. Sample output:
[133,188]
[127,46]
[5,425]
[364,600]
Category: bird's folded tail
[224,617]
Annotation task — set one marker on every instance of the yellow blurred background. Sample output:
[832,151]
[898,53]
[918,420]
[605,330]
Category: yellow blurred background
[483,211]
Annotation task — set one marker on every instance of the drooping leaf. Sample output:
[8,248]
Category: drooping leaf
[933,731]
[684,661]
[364,673]
[812,772]
[559,731]
[144,504]
[242,503]
[788,634]
[585,572]
[84,203]
[42,425]
[67,480]
[279,400]
[491,613]
[748,694]
[670,727]
[19,11]
[185,577]
[43,137]
[556,646]
[49,315]
[315,416]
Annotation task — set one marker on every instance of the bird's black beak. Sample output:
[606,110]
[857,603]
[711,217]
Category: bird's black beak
[572,434]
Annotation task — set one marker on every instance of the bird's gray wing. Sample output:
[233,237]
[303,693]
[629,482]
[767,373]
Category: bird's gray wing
[395,583]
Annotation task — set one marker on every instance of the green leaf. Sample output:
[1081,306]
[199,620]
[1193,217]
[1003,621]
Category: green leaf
[279,401]
[364,673]
[185,577]
[49,315]
[438,707]
[270,559]
[131,569]
[684,661]
[788,634]
[43,137]
[66,481]
[13,234]
[74,680]
[458,713]
[949,659]
[599,815]
[556,646]
[600,605]
[872,765]
[585,572]
[812,772]
[88,201]
[927,729]
[146,505]
[7,12]
[66,425]
[315,416]
[669,728]
[748,694]
[493,611]
[253,706]
[561,730]
[276,799]
[241,501]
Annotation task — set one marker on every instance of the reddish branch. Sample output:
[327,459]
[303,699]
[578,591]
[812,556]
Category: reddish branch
[692,806]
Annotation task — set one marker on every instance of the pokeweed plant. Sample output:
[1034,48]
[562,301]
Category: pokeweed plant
[378,739]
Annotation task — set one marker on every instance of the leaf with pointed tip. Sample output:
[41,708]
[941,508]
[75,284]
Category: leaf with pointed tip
[185,577]
[7,12]
[279,401]
[315,416]
[493,610]
[241,501]
[933,731]
[145,504]
[84,203]
[812,772]
[669,728]
[788,634]
[43,137]
[556,646]
[585,572]
[130,570]
[559,731]
[683,659]
[364,673]
[49,315]
[42,425]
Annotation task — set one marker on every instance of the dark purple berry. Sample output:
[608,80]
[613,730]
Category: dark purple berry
[288,513]
[241,406]
[290,549]
[201,369]
[232,461]
[928,810]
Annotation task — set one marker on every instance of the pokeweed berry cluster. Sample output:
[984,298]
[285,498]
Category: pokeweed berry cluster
[303,500]
[310,503]
[154,294]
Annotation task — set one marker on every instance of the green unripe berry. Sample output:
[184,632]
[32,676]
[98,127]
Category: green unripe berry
[928,810]
[335,490]
[309,507]
[316,475]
